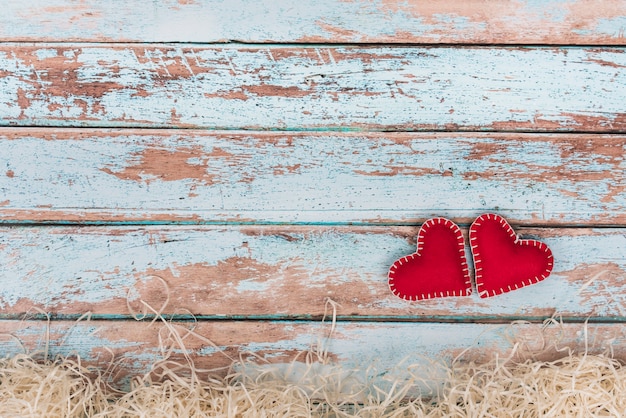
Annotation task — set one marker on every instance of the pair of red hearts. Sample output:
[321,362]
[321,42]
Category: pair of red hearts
[503,262]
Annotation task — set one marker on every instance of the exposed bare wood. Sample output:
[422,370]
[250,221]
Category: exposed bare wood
[339,88]
[134,347]
[315,21]
[81,108]
[281,272]
[84,175]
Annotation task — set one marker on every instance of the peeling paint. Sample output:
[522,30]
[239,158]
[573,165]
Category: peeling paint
[359,88]
[195,177]
[255,264]
[256,271]
[168,165]
[318,21]
[385,347]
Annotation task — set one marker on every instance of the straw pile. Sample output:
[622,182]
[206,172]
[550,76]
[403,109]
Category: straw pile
[575,385]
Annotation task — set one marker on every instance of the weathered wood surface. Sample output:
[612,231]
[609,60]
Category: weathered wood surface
[283,272]
[315,21]
[358,347]
[310,88]
[256,282]
[73,175]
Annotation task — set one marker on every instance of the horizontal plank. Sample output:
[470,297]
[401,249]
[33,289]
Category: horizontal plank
[358,348]
[195,177]
[338,88]
[280,272]
[332,21]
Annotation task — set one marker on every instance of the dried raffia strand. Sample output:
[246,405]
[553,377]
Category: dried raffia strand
[58,388]
[575,385]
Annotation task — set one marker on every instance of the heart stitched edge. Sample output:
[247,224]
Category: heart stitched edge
[420,245]
[478,277]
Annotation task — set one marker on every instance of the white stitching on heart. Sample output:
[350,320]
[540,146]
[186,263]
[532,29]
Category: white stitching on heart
[420,243]
[478,261]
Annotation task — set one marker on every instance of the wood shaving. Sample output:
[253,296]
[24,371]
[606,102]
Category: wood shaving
[574,385]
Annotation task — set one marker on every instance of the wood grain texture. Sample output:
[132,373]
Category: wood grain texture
[283,272]
[154,176]
[317,21]
[85,87]
[358,347]
[310,88]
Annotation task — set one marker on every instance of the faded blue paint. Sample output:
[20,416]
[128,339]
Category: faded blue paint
[612,27]
[319,179]
[531,21]
[360,349]
[253,285]
[416,88]
[92,266]
[43,54]
[79,339]
[361,345]
[553,11]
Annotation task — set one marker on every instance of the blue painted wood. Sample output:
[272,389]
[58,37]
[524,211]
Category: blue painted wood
[282,272]
[248,283]
[386,350]
[304,88]
[314,21]
[197,177]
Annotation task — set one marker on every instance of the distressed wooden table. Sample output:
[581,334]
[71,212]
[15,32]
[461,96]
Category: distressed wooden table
[238,163]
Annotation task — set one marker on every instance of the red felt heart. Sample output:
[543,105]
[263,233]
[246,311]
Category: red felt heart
[504,262]
[437,269]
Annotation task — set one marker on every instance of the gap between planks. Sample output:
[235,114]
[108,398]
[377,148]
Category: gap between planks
[326,129]
[463,223]
[238,44]
[423,319]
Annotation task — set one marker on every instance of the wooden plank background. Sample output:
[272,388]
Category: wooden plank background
[343,88]
[99,176]
[580,22]
[238,164]
[283,272]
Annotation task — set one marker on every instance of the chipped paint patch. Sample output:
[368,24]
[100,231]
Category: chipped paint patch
[168,165]
[358,88]
[196,177]
[269,271]
[319,21]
